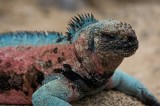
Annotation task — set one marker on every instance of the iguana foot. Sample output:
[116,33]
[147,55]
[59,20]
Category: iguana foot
[45,98]
[57,92]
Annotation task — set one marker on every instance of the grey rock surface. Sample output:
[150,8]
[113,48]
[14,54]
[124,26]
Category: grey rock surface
[109,98]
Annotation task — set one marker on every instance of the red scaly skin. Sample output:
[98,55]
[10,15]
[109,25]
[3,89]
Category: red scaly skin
[21,60]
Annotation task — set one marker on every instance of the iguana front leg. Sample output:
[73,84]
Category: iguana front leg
[57,92]
[131,86]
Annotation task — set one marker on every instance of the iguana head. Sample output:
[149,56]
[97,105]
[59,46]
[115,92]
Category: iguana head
[113,37]
[102,44]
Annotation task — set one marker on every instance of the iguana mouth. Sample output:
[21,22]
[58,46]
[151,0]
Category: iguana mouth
[128,45]
[127,50]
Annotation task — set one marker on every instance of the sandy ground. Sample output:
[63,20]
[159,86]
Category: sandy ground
[143,16]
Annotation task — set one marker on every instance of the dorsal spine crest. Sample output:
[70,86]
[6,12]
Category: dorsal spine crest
[78,22]
[28,38]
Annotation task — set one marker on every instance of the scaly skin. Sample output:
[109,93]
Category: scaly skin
[49,69]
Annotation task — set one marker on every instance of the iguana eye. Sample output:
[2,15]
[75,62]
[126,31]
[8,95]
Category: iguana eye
[108,36]
[112,37]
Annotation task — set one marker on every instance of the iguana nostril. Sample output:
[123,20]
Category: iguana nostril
[131,38]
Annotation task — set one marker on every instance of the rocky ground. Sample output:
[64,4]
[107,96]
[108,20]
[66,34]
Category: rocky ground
[142,15]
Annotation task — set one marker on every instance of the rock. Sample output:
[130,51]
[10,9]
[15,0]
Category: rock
[109,98]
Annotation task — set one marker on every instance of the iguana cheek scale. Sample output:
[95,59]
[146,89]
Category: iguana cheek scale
[50,69]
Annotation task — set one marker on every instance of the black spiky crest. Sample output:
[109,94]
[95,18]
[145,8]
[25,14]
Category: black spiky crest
[78,22]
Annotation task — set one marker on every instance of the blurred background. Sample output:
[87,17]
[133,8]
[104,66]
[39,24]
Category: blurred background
[53,15]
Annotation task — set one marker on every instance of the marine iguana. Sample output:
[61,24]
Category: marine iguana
[52,69]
